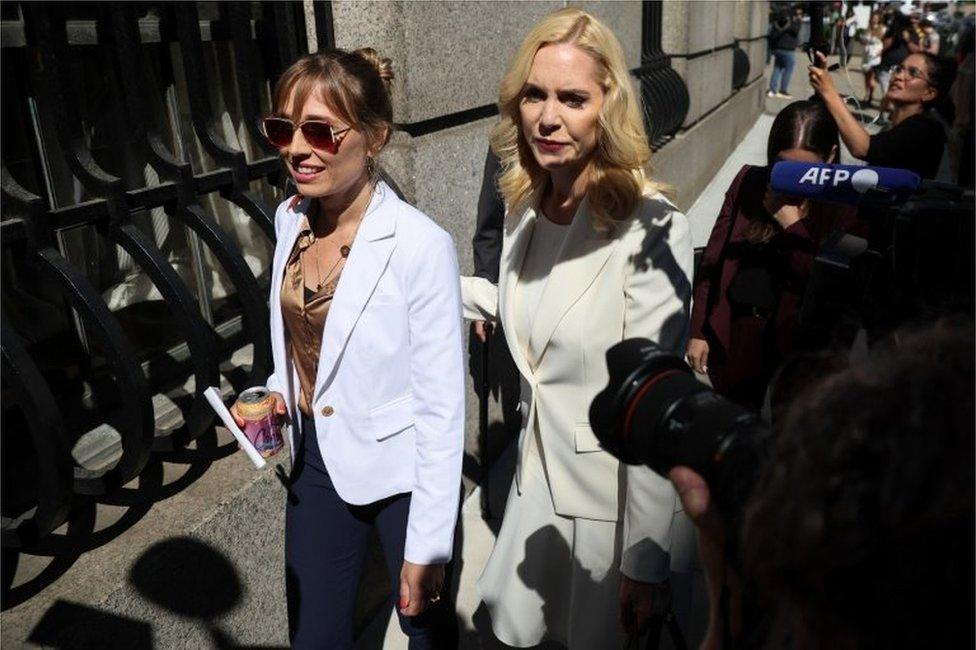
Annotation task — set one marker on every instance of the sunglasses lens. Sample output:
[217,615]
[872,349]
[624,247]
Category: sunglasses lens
[279,131]
[318,134]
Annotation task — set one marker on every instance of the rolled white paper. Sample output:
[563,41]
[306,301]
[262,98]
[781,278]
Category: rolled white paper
[213,396]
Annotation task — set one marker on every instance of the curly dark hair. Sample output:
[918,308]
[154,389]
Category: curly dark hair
[861,531]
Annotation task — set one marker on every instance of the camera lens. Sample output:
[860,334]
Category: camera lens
[653,411]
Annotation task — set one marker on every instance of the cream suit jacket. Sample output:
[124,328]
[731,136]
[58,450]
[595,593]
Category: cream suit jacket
[389,391]
[632,282]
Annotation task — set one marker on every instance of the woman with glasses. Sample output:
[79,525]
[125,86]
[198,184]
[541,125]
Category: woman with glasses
[366,341]
[916,140]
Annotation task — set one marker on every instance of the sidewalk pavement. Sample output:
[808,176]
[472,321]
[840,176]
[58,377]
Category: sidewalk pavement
[476,536]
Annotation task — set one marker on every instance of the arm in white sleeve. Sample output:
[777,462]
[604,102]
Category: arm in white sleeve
[479,298]
[437,380]
[275,381]
[658,301]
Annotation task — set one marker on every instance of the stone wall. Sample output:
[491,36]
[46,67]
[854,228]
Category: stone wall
[442,69]
[449,57]
[701,38]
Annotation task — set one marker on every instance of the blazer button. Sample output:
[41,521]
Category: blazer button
[327,411]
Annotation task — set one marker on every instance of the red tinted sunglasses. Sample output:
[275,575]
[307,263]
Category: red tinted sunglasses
[319,134]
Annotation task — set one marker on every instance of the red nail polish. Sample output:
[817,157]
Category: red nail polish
[404,602]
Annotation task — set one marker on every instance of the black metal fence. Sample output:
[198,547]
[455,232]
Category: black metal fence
[137,225]
[664,93]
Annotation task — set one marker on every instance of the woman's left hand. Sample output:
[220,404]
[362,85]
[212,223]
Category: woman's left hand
[785,210]
[420,585]
[639,601]
[820,78]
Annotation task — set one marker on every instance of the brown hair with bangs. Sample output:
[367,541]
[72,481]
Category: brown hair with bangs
[356,85]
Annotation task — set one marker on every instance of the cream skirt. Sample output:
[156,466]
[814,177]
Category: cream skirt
[552,577]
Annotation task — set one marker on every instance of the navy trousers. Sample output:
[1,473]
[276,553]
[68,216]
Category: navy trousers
[326,541]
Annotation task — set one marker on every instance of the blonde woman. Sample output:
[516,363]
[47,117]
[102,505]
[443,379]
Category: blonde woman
[592,253]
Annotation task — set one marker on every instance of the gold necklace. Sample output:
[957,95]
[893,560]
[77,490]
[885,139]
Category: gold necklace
[344,251]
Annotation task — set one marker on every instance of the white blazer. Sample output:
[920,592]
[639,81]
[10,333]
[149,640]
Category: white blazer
[602,288]
[389,391]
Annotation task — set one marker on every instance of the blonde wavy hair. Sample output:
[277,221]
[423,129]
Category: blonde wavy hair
[617,177]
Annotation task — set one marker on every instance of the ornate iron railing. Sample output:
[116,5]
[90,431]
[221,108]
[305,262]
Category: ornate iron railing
[665,95]
[47,37]
[740,67]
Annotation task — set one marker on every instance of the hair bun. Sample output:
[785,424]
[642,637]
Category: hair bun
[383,66]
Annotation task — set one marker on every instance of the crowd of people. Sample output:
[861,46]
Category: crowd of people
[579,248]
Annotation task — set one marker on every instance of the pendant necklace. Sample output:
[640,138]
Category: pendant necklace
[344,252]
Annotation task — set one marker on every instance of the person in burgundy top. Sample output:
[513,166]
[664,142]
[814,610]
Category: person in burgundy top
[748,290]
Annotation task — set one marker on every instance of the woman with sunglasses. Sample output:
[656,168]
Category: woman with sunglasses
[916,140]
[366,341]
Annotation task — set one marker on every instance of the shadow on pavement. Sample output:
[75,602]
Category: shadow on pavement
[181,575]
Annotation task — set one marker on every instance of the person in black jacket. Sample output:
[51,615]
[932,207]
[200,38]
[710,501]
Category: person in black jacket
[487,240]
[503,378]
[783,39]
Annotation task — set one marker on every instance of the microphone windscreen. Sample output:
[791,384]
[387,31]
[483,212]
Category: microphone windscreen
[840,183]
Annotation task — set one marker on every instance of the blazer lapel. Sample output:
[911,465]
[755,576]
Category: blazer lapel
[368,258]
[287,237]
[581,258]
[514,246]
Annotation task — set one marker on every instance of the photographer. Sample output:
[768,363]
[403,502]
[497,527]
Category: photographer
[859,533]
[916,139]
[896,44]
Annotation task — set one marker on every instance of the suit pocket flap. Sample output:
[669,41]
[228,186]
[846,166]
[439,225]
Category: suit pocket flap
[392,418]
[585,439]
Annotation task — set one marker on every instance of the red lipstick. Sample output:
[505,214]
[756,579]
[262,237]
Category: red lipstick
[549,146]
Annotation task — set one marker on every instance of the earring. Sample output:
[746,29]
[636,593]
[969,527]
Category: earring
[370,166]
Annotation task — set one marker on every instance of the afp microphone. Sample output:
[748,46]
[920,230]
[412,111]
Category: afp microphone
[845,184]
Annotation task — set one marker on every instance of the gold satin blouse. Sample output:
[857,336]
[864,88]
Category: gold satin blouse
[304,313]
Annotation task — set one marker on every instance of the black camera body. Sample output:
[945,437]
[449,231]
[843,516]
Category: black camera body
[654,411]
